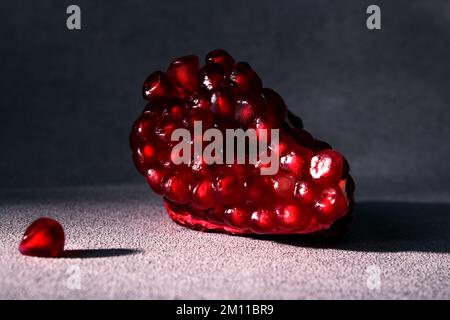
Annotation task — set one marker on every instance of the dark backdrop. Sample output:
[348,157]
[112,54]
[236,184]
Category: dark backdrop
[68,98]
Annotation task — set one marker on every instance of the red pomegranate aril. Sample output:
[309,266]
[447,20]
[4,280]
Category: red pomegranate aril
[220,57]
[263,221]
[248,107]
[175,109]
[331,204]
[155,177]
[294,217]
[244,79]
[216,213]
[327,166]
[222,104]
[238,217]
[177,187]
[43,238]
[212,76]
[259,190]
[183,73]
[228,188]
[203,195]
[156,86]
[283,184]
[165,128]
[305,192]
[296,160]
[202,115]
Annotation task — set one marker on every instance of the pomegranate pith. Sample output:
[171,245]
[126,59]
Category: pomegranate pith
[311,191]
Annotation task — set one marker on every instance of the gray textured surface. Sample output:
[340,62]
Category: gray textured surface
[409,242]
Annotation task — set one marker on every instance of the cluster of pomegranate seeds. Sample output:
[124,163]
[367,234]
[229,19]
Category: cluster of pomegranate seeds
[311,191]
[43,238]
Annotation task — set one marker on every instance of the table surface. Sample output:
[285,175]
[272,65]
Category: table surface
[121,244]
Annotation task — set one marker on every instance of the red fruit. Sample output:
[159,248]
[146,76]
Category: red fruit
[223,104]
[203,195]
[183,74]
[331,204]
[238,217]
[263,221]
[294,216]
[177,187]
[43,238]
[156,86]
[243,78]
[212,76]
[220,57]
[327,166]
[310,190]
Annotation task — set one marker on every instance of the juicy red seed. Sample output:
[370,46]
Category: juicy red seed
[155,177]
[331,204]
[259,189]
[327,165]
[248,107]
[238,217]
[156,86]
[283,184]
[203,195]
[228,188]
[175,110]
[221,57]
[294,217]
[199,114]
[43,238]
[183,73]
[263,221]
[201,101]
[165,128]
[244,78]
[148,153]
[212,76]
[264,124]
[305,192]
[296,160]
[222,104]
[143,129]
[177,187]
[275,104]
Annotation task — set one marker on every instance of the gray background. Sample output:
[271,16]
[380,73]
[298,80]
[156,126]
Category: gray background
[68,98]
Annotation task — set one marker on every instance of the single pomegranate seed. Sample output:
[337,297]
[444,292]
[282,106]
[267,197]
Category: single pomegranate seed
[43,238]
[183,74]
[296,160]
[327,166]
[259,190]
[203,195]
[263,221]
[305,192]
[175,109]
[243,78]
[283,184]
[238,217]
[222,104]
[155,177]
[220,57]
[177,187]
[228,187]
[248,107]
[165,128]
[331,204]
[212,76]
[156,86]
[216,213]
[294,217]
[199,114]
